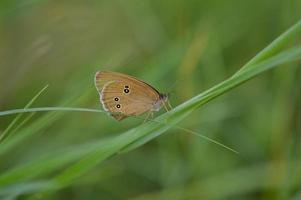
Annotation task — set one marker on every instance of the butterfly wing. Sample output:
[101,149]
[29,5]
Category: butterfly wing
[123,95]
[103,77]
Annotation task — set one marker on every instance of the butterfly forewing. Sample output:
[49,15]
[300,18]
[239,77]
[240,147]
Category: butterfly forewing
[102,77]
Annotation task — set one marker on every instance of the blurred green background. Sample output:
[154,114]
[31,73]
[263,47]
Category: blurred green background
[182,47]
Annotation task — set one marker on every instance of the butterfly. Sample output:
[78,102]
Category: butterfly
[122,95]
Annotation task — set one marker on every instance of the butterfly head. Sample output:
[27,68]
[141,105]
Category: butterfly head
[162,102]
[164,97]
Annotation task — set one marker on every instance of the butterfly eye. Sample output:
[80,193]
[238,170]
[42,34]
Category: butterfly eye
[118,106]
[126,90]
[116,99]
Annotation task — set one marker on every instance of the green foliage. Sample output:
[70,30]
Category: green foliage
[79,155]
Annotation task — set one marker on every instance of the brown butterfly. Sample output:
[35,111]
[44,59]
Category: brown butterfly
[122,95]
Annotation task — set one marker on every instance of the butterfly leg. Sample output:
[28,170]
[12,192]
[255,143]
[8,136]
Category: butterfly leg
[169,105]
[150,113]
[165,106]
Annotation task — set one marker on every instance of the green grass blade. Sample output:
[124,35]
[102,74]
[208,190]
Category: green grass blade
[36,127]
[45,109]
[21,124]
[275,46]
[18,117]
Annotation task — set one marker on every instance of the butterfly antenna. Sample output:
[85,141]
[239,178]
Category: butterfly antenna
[171,88]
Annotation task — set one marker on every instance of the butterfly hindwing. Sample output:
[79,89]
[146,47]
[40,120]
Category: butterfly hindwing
[118,97]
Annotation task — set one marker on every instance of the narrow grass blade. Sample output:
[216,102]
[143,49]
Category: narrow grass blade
[45,109]
[275,46]
[36,127]
[18,117]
